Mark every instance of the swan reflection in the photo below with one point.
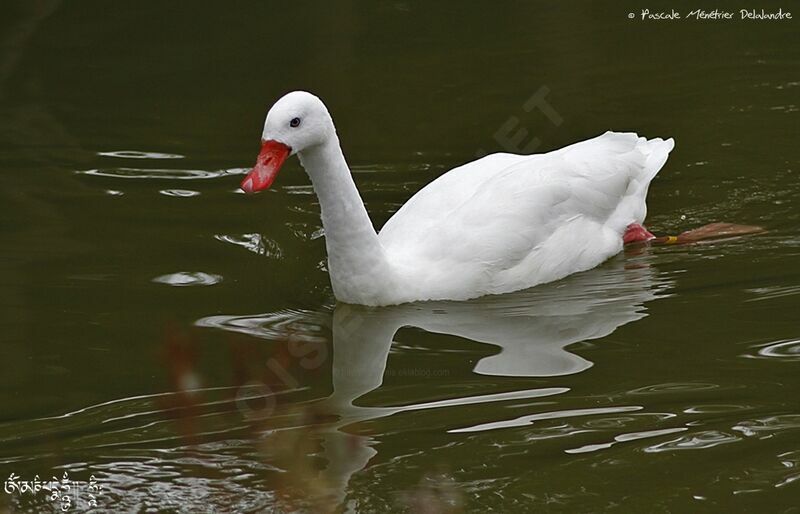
(532, 329)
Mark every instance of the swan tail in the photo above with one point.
(650, 157)
(656, 152)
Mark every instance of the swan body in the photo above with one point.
(501, 223)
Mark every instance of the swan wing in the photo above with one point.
(506, 221)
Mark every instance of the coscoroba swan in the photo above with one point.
(501, 223)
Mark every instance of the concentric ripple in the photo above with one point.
(772, 293)
(137, 154)
(696, 441)
(530, 419)
(255, 243)
(180, 193)
(154, 173)
(768, 425)
(622, 438)
(189, 278)
(786, 349)
(673, 388)
(300, 325)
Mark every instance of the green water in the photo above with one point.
(180, 343)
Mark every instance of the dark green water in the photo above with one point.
(180, 342)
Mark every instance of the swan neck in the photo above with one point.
(356, 259)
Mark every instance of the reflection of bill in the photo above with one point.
(712, 231)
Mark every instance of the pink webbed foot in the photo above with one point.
(636, 233)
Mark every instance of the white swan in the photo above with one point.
(499, 224)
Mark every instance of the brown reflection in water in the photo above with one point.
(301, 439)
(185, 406)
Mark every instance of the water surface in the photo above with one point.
(180, 342)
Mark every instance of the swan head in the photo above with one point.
(297, 122)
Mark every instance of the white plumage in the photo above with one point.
(507, 222)
(495, 225)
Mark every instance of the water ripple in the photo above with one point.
(624, 421)
(306, 231)
(768, 425)
(277, 326)
(136, 154)
(770, 293)
(299, 190)
(632, 436)
(673, 387)
(715, 408)
(789, 460)
(527, 420)
(158, 173)
(141, 484)
(189, 278)
(180, 193)
(255, 243)
(696, 441)
(786, 350)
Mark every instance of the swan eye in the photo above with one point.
(295, 122)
